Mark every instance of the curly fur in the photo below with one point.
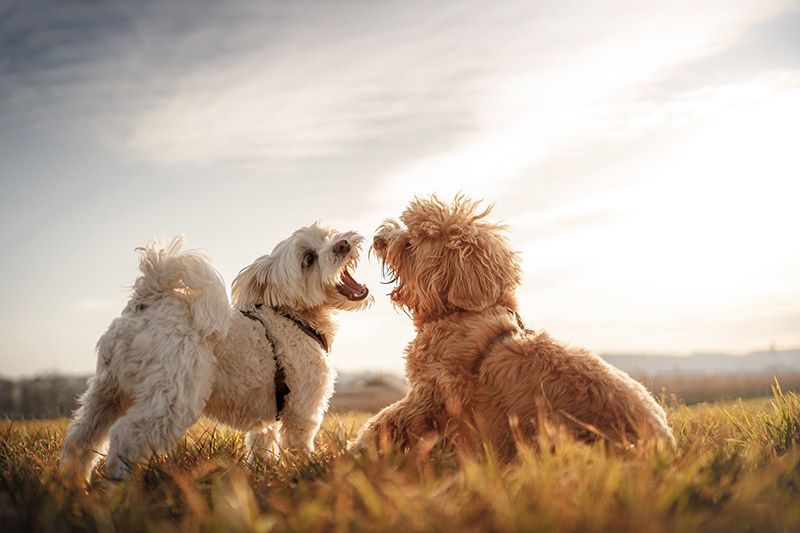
(179, 350)
(474, 371)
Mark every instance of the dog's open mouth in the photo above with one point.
(350, 288)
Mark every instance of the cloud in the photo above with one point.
(571, 95)
(197, 84)
(276, 82)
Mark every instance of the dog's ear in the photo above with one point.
(251, 286)
(481, 272)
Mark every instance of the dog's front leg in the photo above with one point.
(264, 443)
(401, 423)
(299, 430)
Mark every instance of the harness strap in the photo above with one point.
(478, 363)
(308, 330)
(318, 336)
(281, 388)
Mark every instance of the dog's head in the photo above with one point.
(446, 258)
(309, 270)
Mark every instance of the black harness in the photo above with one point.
(281, 388)
(308, 330)
(501, 337)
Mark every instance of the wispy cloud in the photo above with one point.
(309, 79)
(530, 114)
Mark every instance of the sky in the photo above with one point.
(645, 157)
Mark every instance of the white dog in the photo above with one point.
(179, 350)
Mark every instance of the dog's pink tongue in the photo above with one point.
(351, 288)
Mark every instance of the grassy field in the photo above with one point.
(737, 467)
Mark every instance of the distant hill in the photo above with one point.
(692, 378)
(778, 361)
(367, 392)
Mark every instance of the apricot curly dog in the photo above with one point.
(475, 371)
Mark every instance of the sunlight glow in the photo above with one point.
(710, 231)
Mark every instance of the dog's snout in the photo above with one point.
(341, 247)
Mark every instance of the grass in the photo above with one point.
(736, 467)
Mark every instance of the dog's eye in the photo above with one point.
(308, 259)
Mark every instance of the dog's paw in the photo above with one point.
(117, 469)
(355, 446)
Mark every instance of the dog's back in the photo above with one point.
(534, 378)
(155, 361)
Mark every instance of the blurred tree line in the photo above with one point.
(48, 396)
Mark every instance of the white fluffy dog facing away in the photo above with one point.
(179, 350)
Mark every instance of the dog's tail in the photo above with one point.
(167, 270)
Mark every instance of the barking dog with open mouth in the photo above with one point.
(179, 350)
(474, 370)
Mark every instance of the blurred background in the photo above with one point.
(644, 156)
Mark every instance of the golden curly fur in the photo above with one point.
(475, 373)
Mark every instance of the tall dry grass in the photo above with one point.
(736, 467)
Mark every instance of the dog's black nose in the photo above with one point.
(341, 247)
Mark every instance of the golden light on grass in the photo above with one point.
(737, 466)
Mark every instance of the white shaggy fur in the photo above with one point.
(179, 350)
